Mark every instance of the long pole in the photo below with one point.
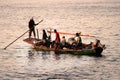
(72, 34)
(19, 37)
(16, 39)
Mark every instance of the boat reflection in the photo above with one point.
(43, 54)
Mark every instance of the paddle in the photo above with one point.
(71, 34)
(20, 36)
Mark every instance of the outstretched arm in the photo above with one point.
(38, 23)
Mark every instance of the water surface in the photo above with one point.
(100, 18)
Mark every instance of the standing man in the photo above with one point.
(32, 27)
(57, 39)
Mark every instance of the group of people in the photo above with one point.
(61, 43)
(72, 43)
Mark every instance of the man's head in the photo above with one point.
(55, 30)
(77, 34)
(31, 18)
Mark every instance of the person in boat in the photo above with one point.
(44, 37)
(32, 27)
(78, 41)
(97, 43)
(63, 42)
(57, 40)
(71, 43)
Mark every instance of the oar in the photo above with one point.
(19, 37)
(71, 34)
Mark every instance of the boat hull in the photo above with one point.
(96, 52)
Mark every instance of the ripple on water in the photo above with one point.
(20, 62)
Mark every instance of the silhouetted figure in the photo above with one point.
(32, 27)
(44, 37)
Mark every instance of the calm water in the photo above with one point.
(100, 18)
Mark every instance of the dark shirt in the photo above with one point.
(44, 35)
(31, 24)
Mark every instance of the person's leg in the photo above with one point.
(30, 32)
(34, 33)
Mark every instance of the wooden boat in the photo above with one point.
(96, 51)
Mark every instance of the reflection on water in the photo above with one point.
(43, 54)
(30, 64)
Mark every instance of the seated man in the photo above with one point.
(97, 43)
(78, 41)
(63, 42)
